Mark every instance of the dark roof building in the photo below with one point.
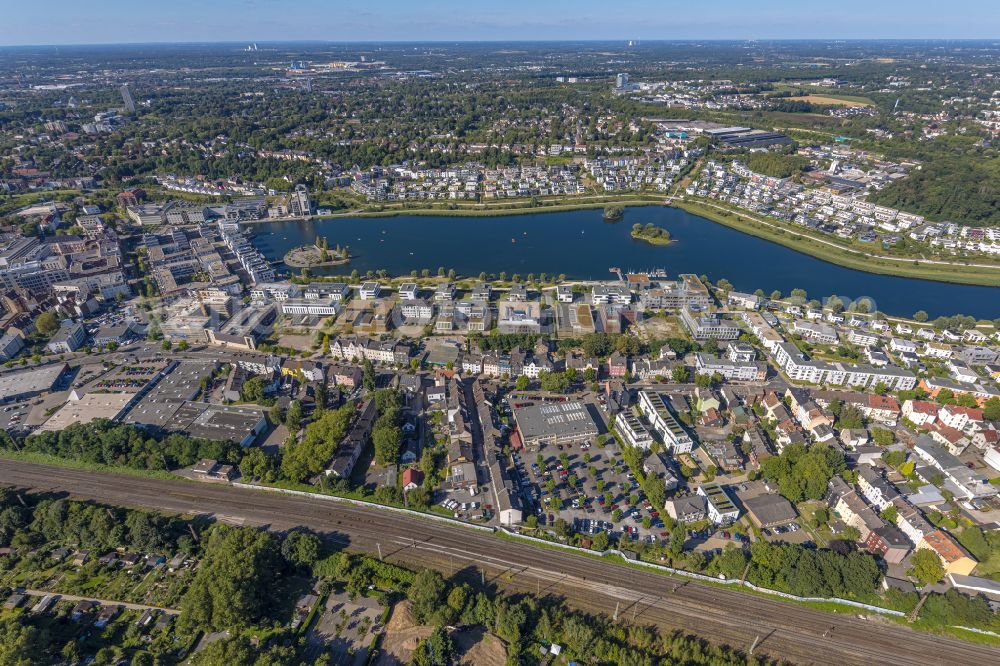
(769, 510)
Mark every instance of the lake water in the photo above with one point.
(581, 245)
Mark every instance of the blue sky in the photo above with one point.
(115, 21)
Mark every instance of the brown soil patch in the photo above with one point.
(476, 648)
(402, 635)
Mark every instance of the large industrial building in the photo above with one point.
(28, 383)
(555, 423)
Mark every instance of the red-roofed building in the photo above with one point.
(951, 438)
(131, 197)
(986, 439)
(920, 412)
(954, 558)
(412, 478)
(882, 408)
(960, 418)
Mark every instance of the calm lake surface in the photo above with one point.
(581, 245)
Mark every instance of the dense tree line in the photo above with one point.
(304, 459)
(237, 581)
(963, 189)
(777, 165)
(106, 443)
(522, 622)
(804, 571)
(386, 434)
(25, 522)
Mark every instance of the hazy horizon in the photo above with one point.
(117, 22)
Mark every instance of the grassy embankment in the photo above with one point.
(494, 210)
(810, 244)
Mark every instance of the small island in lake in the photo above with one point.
(614, 213)
(651, 233)
(319, 254)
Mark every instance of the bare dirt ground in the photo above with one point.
(402, 635)
(475, 648)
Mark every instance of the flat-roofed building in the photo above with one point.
(408, 291)
(556, 423)
(655, 410)
(90, 407)
(27, 383)
(632, 430)
(703, 325)
(369, 291)
(721, 509)
(769, 510)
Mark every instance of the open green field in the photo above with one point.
(817, 91)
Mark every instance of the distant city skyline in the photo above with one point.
(58, 22)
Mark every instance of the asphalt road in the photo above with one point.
(782, 630)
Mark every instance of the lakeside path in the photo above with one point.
(977, 274)
(872, 255)
(780, 629)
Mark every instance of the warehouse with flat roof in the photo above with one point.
(28, 383)
(556, 423)
(769, 510)
(90, 407)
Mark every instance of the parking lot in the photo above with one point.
(13, 416)
(589, 484)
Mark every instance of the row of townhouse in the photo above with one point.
(845, 215)
(467, 182)
(800, 367)
(390, 352)
(663, 422)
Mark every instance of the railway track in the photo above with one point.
(724, 616)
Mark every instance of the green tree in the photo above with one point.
(925, 566)
(303, 459)
(257, 464)
(18, 643)
(368, 375)
(300, 548)
(388, 440)
(47, 324)
(438, 649)
(521, 383)
(426, 593)
(293, 417)
(235, 582)
(679, 374)
(252, 390)
(555, 382)
(678, 535)
(991, 409)
(803, 473)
